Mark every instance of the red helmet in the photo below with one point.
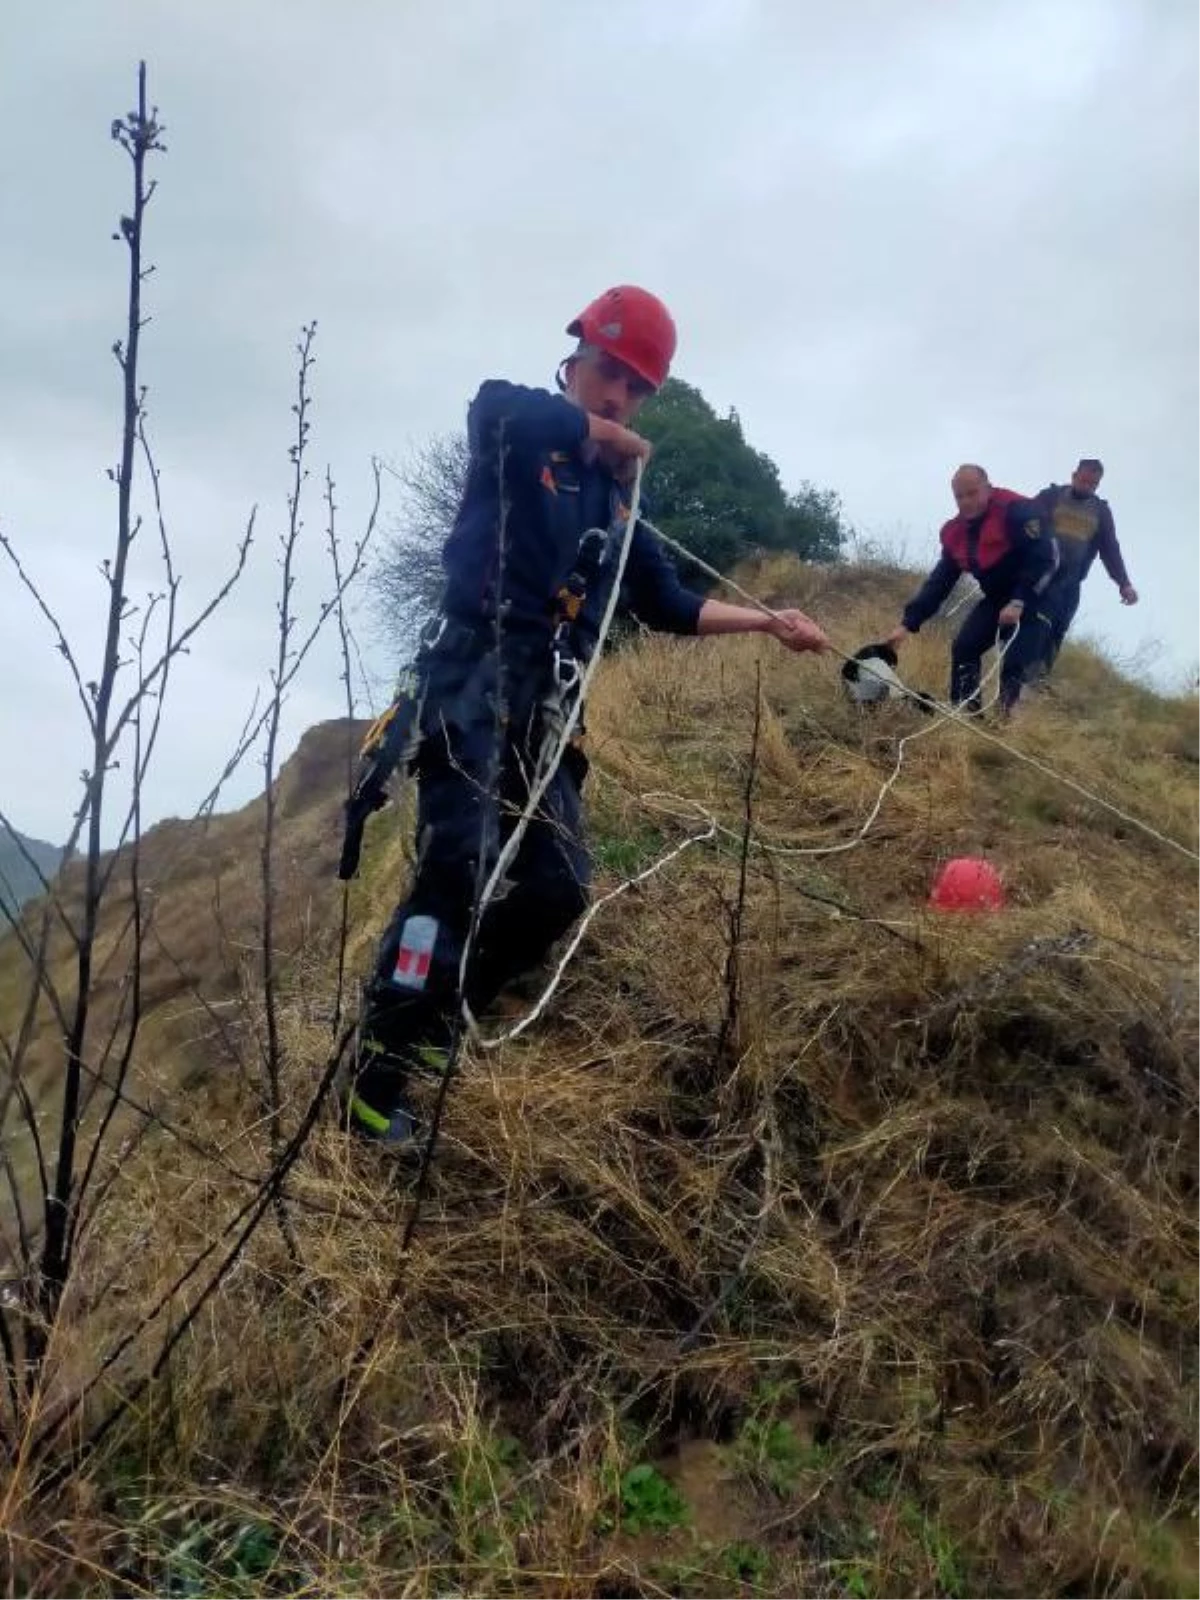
(634, 326)
(967, 883)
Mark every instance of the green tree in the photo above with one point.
(722, 498)
(706, 487)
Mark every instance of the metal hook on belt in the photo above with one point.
(567, 672)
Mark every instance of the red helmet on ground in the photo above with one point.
(967, 883)
(634, 326)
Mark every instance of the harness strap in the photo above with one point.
(566, 668)
(391, 741)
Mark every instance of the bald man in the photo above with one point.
(999, 538)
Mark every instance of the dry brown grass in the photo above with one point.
(893, 1279)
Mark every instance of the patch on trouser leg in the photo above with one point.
(415, 955)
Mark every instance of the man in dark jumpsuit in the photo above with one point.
(1083, 528)
(998, 537)
(544, 470)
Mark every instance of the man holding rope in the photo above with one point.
(531, 563)
(999, 538)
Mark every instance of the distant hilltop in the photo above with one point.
(24, 863)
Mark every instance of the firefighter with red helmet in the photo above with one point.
(530, 564)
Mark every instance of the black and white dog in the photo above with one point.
(870, 679)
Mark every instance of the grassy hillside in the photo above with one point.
(811, 1243)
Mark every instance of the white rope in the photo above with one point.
(971, 591)
(547, 994)
(947, 712)
(857, 839)
(1003, 646)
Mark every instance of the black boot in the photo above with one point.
(398, 1039)
(375, 1105)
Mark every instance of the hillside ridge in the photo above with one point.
(812, 1241)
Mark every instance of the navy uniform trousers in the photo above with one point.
(976, 637)
(1061, 602)
(473, 782)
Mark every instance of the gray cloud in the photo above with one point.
(894, 236)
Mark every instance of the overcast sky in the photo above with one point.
(894, 235)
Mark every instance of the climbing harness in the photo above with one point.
(392, 739)
(566, 654)
(390, 743)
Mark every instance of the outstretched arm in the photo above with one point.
(792, 628)
(658, 598)
(927, 599)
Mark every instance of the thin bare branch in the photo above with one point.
(61, 643)
(139, 135)
(257, 721)
(243, 744)
(131, 995)
(727, 1036)
(344, 642)
(272, 1049)
(31, 861)
(179, 644)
